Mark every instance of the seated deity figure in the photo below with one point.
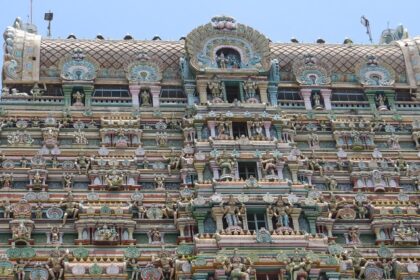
(21, 232)
(114, 180)
(107, 234)
(145, 98)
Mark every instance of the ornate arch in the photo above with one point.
(143, 71)
(203, 43)
(309, 71)
(374, 74)
(78, 67)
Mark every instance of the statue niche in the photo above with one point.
(228, 58)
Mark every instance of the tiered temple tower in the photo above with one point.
(219, 156)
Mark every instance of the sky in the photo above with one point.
(279, 20)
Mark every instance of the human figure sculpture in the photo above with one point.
(216, 88)
(55, 264)
(387, 269)
(145, 98)
(107, 234)
(250, 88)
(37, 181)
(317, 100)
(173, 162)
(269, 164)
(82, 164)
(299, 269)
(353, 235)
(36, 91)
(313, 140)
(21, 232)
(361, 210)
(19, 269)
(71, 207)
(226, 164)
(231, 213)
(68, 181)
(237, 268)
(114, 180)
(160, 182)
(331, 183)
(7, 180)
(135, 269)
(78, 96)
(7, 209)
(155, 236)
(165, 263)
(55, 234)
(221, 61)
(281, 213)
(38, 211)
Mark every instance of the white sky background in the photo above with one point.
(279, 20)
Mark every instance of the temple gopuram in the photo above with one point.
(221, 156)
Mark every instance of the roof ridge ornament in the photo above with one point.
(223, 22)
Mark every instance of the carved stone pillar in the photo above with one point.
(267, 125)
(200, 216)
(215, 170)
(306, 95)
(134, 91)
(190, 90)
(272, 92)
(217, 214)
(130, 233)
(326, 95)
(294, 166)
(262, 86)
(269, 222)
(295, 218)
(212, 127)
(202, 91)
(155, 91)
(199, 168)
(280, 166)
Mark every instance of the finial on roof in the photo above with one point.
(347, 41)
(100, 37)
(294, 40)
(128, 37)
(320, 41)
(156, 38)
(71, 36)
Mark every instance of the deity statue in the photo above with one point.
(269, 164)
(353, 235)
(160, 182)
(21, 232)
(37, 181)
(23, 162)
(55, 234)
(114, 180)
(173, 162)
(141, 210)
(55, 264)
(7, 209)
(222, 130)
(387, 268)
(82, 163)
(317, 101)
(36, 91)
(393, 142)
(257, 129)
(165, 263)
(380, 102)
(217, 89)
(135, 268)
(238, 268)
(38, 211)
(68, 181)
(155, 236)
(80, 137)
(231, 213)
(107, 234)
(281, 212)
(71, 207)
(299, 268)
(361, 209)
(6, 180)
(250, 88)
(221, 61)
(226, 164)
(78, 97)
(313, 141)
(145, 97)
(331, 183)
(316, 165)
(19, 269)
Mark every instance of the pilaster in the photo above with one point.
(134, 91)
(326, 95)
(306, 95)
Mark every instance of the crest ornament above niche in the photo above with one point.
(309, 71)
(225, 45)
(143, 71)
(374, 74)
(78, 67)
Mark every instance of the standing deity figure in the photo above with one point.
(21, 232)
(145, 97)
(281, 213)
(393, 142)
(331, 183)
(317, 100)
(82, 163)
(7, 180)
(299, 268)
(68, 181)
(313, 141)
(231, 213)
(71, 207)
(114, 180)
(221, 61)
(36, 91)
(135, 269)
(19, 269)
(78, 98)
(237, 267)
(165, 263)
(55, 264)
(7, 209)
(38, 210)
(353, 235)
(107, 234)
(250, 88)
(55, 234)
(269, 164)
(216, 88)
(173, 162)
(155, 236)
(160, 182)
(227, 164)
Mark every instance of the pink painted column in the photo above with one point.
(155, 91)
(306, 94)
(134, 91)
(326, 95)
